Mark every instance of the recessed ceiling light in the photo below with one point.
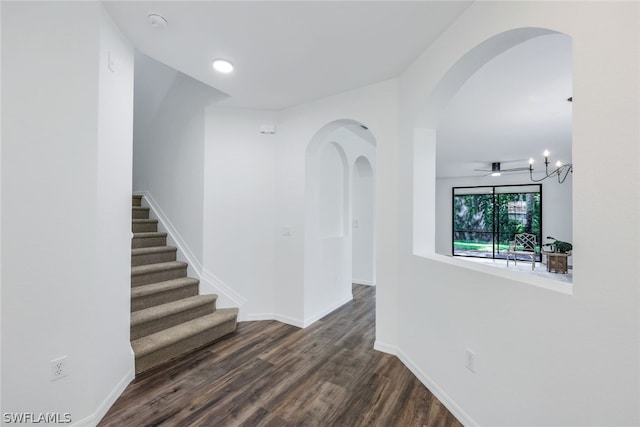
(157, 21)
(222, 65)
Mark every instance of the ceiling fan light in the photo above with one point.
(496, 174)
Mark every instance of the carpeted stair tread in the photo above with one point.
(159, 272)
(149, 234)
(152, 250)
(144, 225)
(155, 342)
(139, 212)
(155, 268)
(162, 317)
(153, 255)
(168, 317)
(169, 309)
(158, 293)
(148, 239)
(160, 287)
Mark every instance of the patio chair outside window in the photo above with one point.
(523, 245)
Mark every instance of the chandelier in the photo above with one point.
(561, 171)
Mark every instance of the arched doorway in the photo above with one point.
(363, 253)
(331, 158)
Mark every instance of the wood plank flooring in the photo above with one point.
(272, 374)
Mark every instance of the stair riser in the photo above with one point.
(147, 259)
(144, 227)
(162, 298)
(185, 346)
(148, 242)
(136, 201)
(165, 322)
(160, 276)
(140, 213)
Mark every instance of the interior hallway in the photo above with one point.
(272, 374)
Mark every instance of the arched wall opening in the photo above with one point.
(363, 253)
(429, 225)
(331, 158)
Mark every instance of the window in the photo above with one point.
(486, 218)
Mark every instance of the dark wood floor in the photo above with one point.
(272, 374)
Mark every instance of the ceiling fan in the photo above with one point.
(496, 170)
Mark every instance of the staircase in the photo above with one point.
(168, 317)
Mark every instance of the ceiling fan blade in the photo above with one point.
(515, 169)
(495, 168)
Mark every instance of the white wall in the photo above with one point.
(255, 198)
(332, 191)
(374, 106)
(112, 295)
(1, 207)
(239, 206)
(540, 354)
(556, 206)
(331, 156)
(65, 276)
(363, 222)
(168, 147)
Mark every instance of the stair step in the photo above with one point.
(146, 296)
(144, 225)
(154, 319)
(148, 239)
(152, 255)
(136, 200)
(168, 344)
(138, 212)
(160, 272)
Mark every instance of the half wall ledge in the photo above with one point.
(540, 282)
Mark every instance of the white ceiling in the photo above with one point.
(510, 110)
(288, 52)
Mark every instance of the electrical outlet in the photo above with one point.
(59, 368)
(470, 360)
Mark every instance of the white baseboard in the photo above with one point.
(288, 320)
(275, 316)
(431, 385)
(254, 317)
(297, 322)
(442, 396)
(319, 315)
(115, 393)
(216, 285)
(209, 283)
(363, 282)
(385, 348)
(93, 419)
